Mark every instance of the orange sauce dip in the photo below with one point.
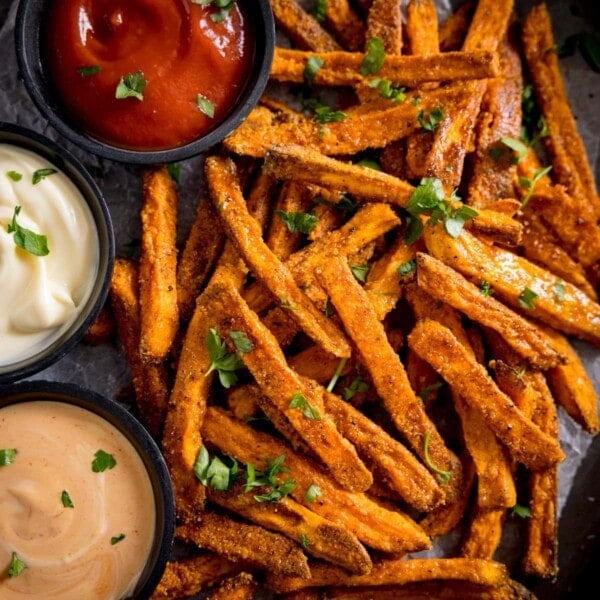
(175, 46)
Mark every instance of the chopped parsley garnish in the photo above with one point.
(313, 493)
(224, 7)
(559, 291)
(17, 566)
(313, 64)
(285, 303)
(7, 456)
(103, 461)
(518, 510)
(518, 146)
(387, 90)
(369, 163)
(345, 205)
(34, 243)
(360, 272)
(222, 361)
(408, 267)
(117, 538)
(323, 113)
(304, 541)
(174, 170)
(357, 385)
(374, 57)
(269, 477)
(443, 475)
(429, 198)
(205, 106)
(41, 174)
(298, 222)
(428, 390)
(66, 499)
(301, 403)
(14, 175)
(431, 122)
(338, 372)
(533, 124)
(527, 299)
(486, 288)
(215, 473)
(241, 342)
(131, 85)
(529, 184)
(320, 10)
(89, 70)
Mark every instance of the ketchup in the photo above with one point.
(175, 46)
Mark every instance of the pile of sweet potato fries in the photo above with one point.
(362, 345)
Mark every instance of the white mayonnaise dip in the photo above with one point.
(41, 295)
(96, 548)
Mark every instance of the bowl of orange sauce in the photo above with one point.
(145, 81)
(87, 503)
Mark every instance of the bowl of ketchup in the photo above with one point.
(145, 81)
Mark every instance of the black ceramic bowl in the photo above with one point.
(29, 33)
(143, 443)
(58, 344)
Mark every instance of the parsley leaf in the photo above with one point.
(269, 478)
(518, 510)
(34, 243)
(174, 170)
(430, 123)
(41, 174)
(304, 541)
(7, 456)
(527, 299)
(89, 70)
(14, 175)
(530, 184)
(131, 85)
(374, 57)
(66, 499)
(486, 288)
(298, 222)
(222, 361)
(559, 291)
(241, 342)
(215, 473)
(320, 10)
(103, 461)
(301, 403)
(117, 538)
(443, 475)
(325, 114)
(17, 566)
(428, 390)
(205, 106)
(313, 64)
(224, 7)
(408, 267)
(312, 493)
(357, 385)
(387, 90)
(517, 146)
(360, 272)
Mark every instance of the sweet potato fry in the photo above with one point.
(454, 29)
(525, 441)
(384, 21)
(511, 275)
(442, 282)
(322, 538)
(302, 28)
(314, 363)
(386, 370)
(399, 572)
(373, 524)
(488, 25)
(191, 575)
(150, 380)
(484, 533)
(422, 27)
(238, 587)
(159, 316)
(248, 543)
(345, 24)
(102, 330)
(244, 231)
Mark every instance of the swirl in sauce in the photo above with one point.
(68, 551)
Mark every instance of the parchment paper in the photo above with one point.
(104, 370)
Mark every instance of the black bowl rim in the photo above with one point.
(33, 141)
(27, 35)
(144, 444)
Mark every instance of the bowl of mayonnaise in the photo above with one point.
(56, 252)
(87, 502)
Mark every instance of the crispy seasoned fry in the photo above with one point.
(384, 21)
(525, 441)
(570, 163)
(454, 29)
(238, 587)
(345, 24)
(388, 374)
(572, 387)
(488, 25)
(201, 251)
(281, 385)
(370, 522)
(303, 29)
(322, 538)
(400, 571)
(447, 285)
(245, 233)
(102, 330)
(422, 27)
(314, 363)
(484, 533)
(159, 316)
(343, 68)
(150, 381)
(251, 544)
(510, 275)
(395, 465)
